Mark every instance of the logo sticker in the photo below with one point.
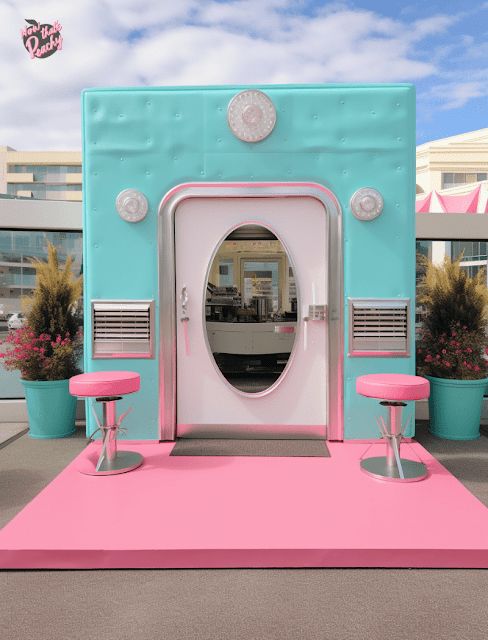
(42, 40)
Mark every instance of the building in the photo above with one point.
(453, 165)
(452, 177)
(44, 175)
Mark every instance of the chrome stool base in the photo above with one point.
(393, 467)
(124, 461)
(111, 461)
(380, 469)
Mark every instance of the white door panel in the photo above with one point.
(205, 400)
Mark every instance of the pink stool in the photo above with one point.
(108, 387)
(393, 389)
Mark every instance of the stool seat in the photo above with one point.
(104, 383)
(393, 386)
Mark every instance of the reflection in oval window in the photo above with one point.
(251, 308)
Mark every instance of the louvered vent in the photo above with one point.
(123, 329)
(379, 327)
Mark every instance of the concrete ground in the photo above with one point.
(308, 604)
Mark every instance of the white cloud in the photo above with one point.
(456, 94)
(190, 42)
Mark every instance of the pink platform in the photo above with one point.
(248, 512)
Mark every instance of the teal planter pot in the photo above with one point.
(50, 408)
(455, 407)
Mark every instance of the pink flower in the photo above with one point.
(446, 363)
(444, 351)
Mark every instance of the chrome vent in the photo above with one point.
(379, 327)
(122, 329)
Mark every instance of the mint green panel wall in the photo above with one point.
(344, 137)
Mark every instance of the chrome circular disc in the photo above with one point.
(366, 204)
(131, 205)
(251, 115)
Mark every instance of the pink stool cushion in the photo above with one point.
(393, 386)
(104, 383)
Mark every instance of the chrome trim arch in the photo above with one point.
(167, 293)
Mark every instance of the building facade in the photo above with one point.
(456, 166)
(44, 175)
(453, 165)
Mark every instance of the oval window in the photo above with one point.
(251, 309)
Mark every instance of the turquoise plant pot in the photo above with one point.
(455, 407)
(50, 407)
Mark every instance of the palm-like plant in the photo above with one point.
(453, 340)
(52, 306)
(450, 294)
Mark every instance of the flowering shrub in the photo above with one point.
(41, 357)
(453, 340)
(457, 354)
(50, 345)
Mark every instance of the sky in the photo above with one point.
(440, 46)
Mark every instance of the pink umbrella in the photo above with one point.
(466, 203)
(423, 205)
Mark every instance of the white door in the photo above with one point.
(295, 404)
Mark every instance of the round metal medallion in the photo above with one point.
(131, 205)
(251, 115)
(366, 204)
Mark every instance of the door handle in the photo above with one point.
(316, 312)
(184, 304)
(184, 318)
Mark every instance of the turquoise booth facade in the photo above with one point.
(343, 137)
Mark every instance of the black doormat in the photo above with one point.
(256, 448)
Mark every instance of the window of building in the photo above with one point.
(262, 279)
(41, 190)
(450, 180)
(473, 269)
(44, 168)
(47, 174)
(226, 272)
(471, 250)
